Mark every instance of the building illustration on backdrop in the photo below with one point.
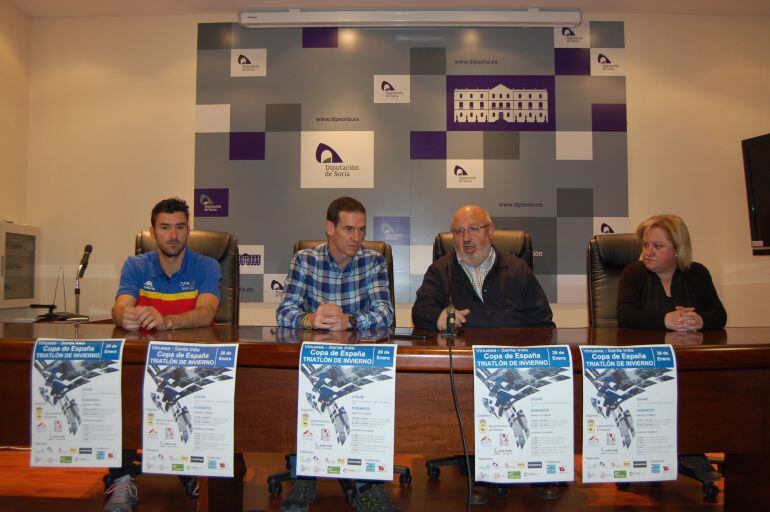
(500, 104)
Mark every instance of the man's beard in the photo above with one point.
(171, 254)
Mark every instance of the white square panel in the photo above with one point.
(571, 288)
(574, 146)
(420, 258)
(212, 119)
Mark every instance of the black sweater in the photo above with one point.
(643, 304)
(512, 295)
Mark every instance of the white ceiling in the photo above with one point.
(100, 8)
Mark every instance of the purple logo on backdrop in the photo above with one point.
(392, 230)
(606, 228)
(603, 59)
(275, 285)
(566, 31)
(386, 86)
(242, 59)
(459, 171)
(324, 154)
(211, 202)
(500, 103)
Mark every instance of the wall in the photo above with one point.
(15, 34)
(112, 130)
(697, 87)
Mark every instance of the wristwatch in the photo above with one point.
(353, 321)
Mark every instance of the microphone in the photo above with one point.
(84, 260)
(450, 321)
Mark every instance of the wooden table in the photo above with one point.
(724, 390)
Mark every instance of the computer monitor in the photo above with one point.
(19, 249)
(756, 164)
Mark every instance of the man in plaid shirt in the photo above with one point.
(338, 285)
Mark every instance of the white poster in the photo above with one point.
(345, 411)
(337, 159)
(523, 414)
(391, 88)
(572, 37)
(465, 174)
(248, 62)
(629, 413)
(187, 420)
(251, 259)
(272, 288)
(76, 403)
(608, 61)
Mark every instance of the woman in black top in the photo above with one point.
(665, 289)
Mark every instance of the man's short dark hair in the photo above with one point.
(170, 205)
(343, 204)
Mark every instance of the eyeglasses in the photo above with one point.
(472, 230)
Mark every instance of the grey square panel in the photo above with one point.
(543, 233)
(573, 236)
(607, 34)
(501, 145)
(283, 117)
(465, 145)
(575, 202)
(427, 111)
(251, 288)
(427, 61)
(215, 36)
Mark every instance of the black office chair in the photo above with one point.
(607, 256)
(404, 473)
(510, 241)
(221, 246)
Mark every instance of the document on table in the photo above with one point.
(345, 411)
(629, 413)
(76, 403)
(523, 414)
(188, 408)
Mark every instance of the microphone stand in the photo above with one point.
(77, 317)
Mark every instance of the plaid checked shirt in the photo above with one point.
(360, 289)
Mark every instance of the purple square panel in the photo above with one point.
(608, 117)
(247, 145)
(572, 61)
(212, 202)
(319, 37)
(427, 145)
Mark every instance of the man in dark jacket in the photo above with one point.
(486, 287)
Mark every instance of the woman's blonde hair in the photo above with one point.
(677, 233)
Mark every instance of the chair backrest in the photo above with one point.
(373, 245)
(221, 246)
(510, 241)
(607, 256)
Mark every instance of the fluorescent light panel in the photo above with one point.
(508, 18)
